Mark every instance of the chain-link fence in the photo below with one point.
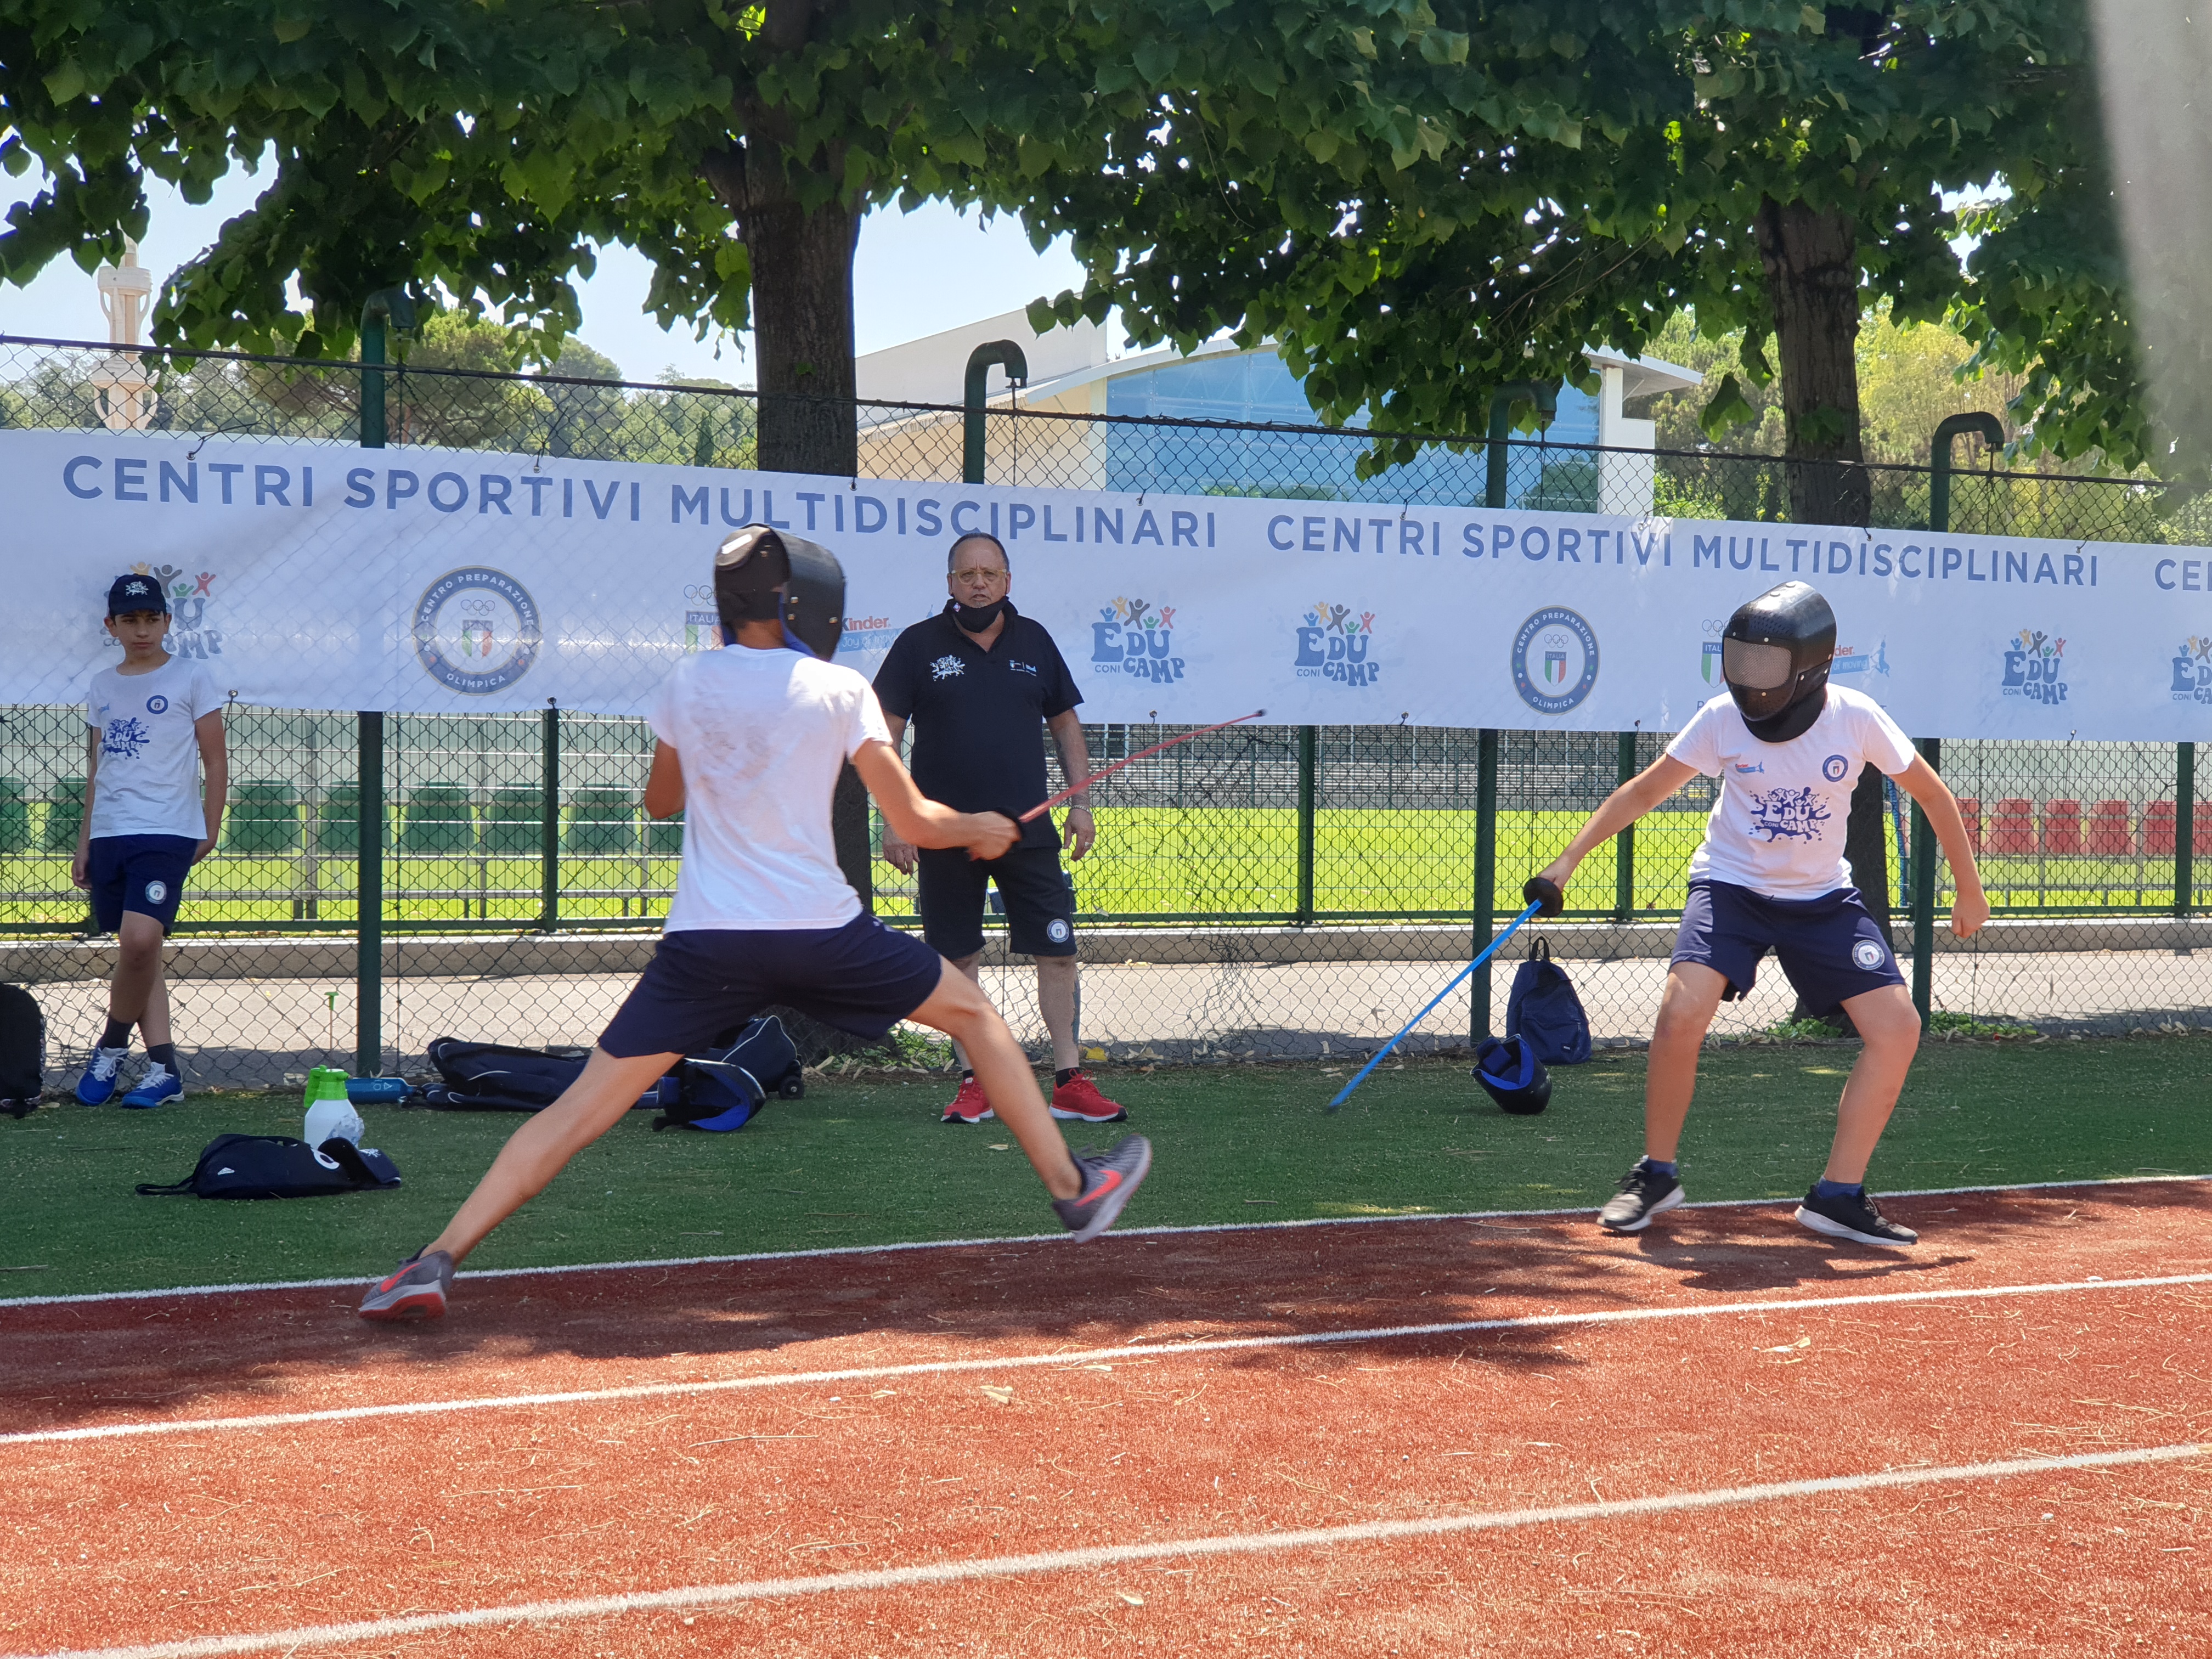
(1257, 892)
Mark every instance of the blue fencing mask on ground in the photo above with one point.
(763, 575)
(1775, 653)
(1511, 1075)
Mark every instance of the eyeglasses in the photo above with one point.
(980, 574)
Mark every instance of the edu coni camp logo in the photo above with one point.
(1335, 645)
(2034, 667)
(192, 611)
(1788, 815)
(477, 630)
(2192, 670)
(1137, 638)
(1554, 659)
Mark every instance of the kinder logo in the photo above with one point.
(2034, 668)
(1859, 666)
(1137, 638)
(1335, 645)
(2192, 670)
(865, 634)
(1554, 661)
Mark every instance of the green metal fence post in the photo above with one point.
(1950, 429)
(980, 360)
(1624, 844)
(1485, 881)
(1308, 744)
(368, 887)
(1923, 891)
(2184, 828)
(1498, 483)
(549, 907)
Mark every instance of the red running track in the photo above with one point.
(1674, 1377)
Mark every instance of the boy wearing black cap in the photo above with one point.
(1788, 748)
(153, 717)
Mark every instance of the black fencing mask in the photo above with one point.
(763, 575)
(1775, 652)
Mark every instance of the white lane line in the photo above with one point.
(1009, 1566)
(1070, 1358)
(834, 1250)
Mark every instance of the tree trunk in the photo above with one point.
(1811, 259)
(1812, 265)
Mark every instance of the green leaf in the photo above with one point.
(65, 81)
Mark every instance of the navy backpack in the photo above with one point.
(724, 1087)
(1543, 1011)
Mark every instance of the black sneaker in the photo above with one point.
(1853, 1216)
(1644, 1193)
(416, 1289)
(1110, 1179)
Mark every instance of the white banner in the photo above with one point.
(456, 581)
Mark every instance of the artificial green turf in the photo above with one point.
(867, 1162)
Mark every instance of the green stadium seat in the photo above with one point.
(514, 822)
(602, 821)
(440, 819)
(263, 816)
(337, 820)
(14, 817)
(64, 816)
(664, 837)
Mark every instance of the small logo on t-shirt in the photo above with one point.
(946, 667)
(1867, 953)
(1029, 668)
(1833, 769)
(126, 738)
(1751, 766)
(1788, 814)
(157, 704)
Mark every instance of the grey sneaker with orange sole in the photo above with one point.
(1110, 1179)
(416, 1289)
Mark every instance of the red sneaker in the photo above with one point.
(969, 1105)
(1079, 1098)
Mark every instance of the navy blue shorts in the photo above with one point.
(861, 978)
(1830, 948)
(1039, 901)
(145, 873)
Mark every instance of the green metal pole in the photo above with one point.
(1923, 891)
(1949, 430)
(1624, 844)
(1498, 485)
(368, 950)
(2184, 828)
(549, 908)
(1485, 880)
(1308, 744)
(980, 360)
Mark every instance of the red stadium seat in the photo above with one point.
(2012, 829)
(2062, 826)
(2158, 827)
(1970, 811)
(2107, 834)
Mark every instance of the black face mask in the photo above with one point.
(978, 618)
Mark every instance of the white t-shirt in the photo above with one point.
(1778, 825)
(146, 782)
(761, 735)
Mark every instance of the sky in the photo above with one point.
(915, 274)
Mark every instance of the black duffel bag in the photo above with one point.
(278, 1166)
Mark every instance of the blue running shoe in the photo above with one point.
(97, 1086)
(160, 1085)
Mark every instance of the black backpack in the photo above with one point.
(1543, 1011)
(22, 1051)
(724, 1087)
(278, 1166)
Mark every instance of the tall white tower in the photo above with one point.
(126, 396)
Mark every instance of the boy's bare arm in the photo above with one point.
(1620, 809)
(1970, 909)
(664, 784)
(925, 823)
(215, 760)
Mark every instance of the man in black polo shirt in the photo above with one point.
(976, 678)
